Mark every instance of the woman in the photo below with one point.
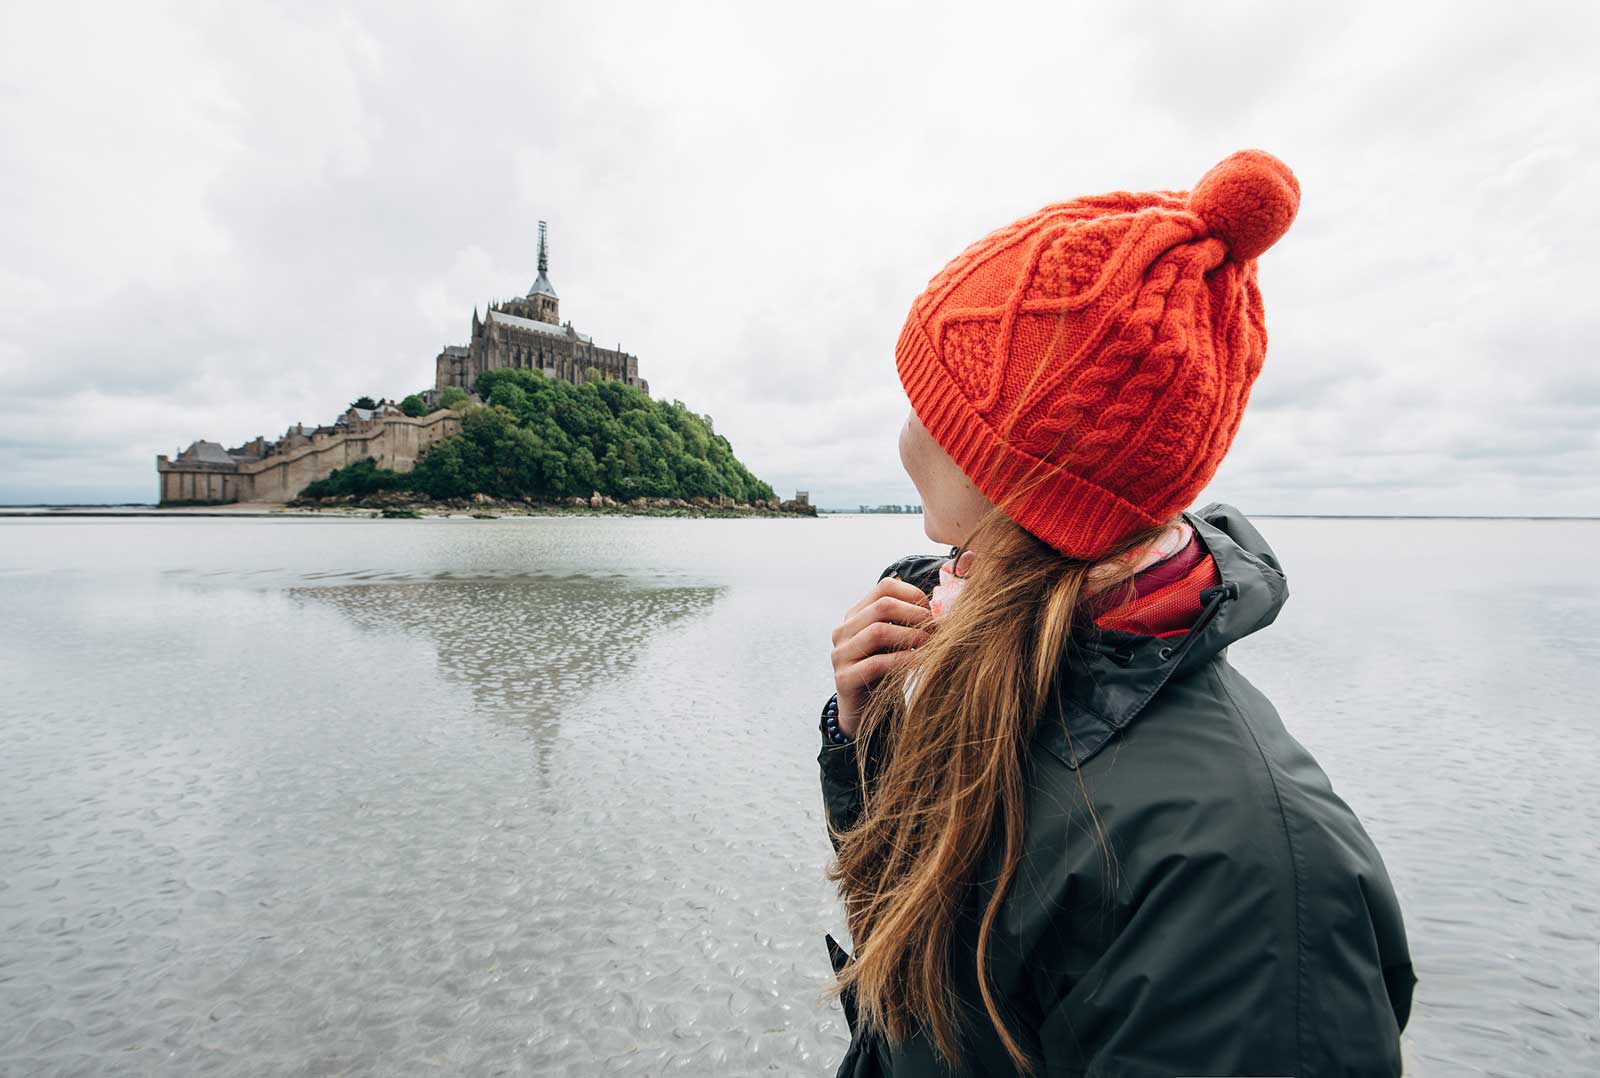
(1071, 838)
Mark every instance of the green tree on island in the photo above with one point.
(360, 479)
(414, 406)
(364, 402)
(543, 438)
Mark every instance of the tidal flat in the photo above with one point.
(315, 794)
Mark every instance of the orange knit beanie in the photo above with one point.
(1093, 359)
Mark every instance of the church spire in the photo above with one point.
(542, 296)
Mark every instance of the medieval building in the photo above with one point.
(527, 333)
(277, 471)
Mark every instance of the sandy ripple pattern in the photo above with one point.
(539, 798)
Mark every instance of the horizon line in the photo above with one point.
(1317, 516)
(857, 511)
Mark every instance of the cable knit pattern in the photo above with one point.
(1108, 342)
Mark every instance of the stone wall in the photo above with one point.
(198, 483)
(395, 442)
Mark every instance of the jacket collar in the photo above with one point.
(1106, 680)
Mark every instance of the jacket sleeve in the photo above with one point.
(841, 783)
(841, 765)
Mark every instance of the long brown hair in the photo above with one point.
(951, 727)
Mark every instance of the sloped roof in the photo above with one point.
(543, 287)
(205, 452)
(519, 322)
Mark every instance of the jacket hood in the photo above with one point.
(1106, 680)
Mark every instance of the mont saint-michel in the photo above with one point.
(529, 409)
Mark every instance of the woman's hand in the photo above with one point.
(877, 634)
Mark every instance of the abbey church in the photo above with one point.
(527, 333)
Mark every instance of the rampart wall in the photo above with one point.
(395, 442)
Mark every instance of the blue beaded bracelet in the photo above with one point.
(830, 716)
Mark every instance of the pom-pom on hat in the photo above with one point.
(1247, 201)
(1088, 365)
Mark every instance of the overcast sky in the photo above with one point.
(219, 219)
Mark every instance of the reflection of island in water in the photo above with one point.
(528, 648)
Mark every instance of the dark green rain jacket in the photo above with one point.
(1249, 927)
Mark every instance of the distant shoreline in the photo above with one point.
(135, 509)
(410, 510)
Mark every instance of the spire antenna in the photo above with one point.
(544, 251)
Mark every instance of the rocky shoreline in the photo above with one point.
(409, 505)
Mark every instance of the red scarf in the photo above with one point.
(1162, 598)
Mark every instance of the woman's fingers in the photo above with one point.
(858, 678)
(889, 586)
(876, 634)
(891, 608)
(871, 670)
(875, 637)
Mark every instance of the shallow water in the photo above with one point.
(539, 796)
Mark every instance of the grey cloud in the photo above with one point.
(223, 220)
